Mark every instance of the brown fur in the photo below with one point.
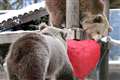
(96, 26)
(37, 56)
(57, 9)
(89, 10)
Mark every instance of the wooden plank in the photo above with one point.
(9, 37)
(72, 14)
(114, 4)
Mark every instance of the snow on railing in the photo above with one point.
(16, 13)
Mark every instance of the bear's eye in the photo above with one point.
(98, 32)
(98, 19)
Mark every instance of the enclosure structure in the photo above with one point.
(72, 20)
(16, 19)
(27, 18)
(24, 19)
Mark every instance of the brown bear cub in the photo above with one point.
(37, 55)
(92, 16)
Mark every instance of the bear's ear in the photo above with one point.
(98, 19)
(42, 26)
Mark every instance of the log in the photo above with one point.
(11, 36)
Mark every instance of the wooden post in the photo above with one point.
(72, 17)
(72, 13)
(103, 70)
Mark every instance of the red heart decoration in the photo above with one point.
(84, 56)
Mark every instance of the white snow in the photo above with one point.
(27, 9)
